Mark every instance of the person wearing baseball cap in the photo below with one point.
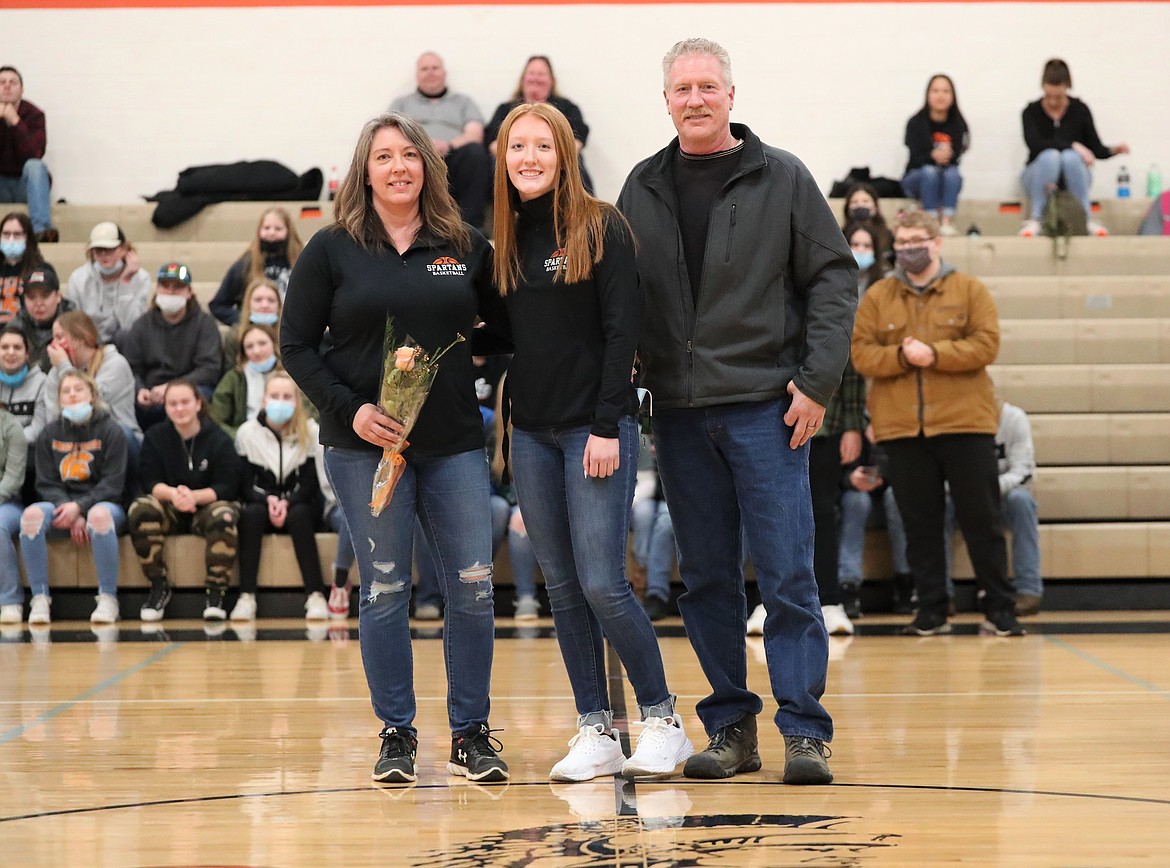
(42, 305)
(174, 338)
(111, 288)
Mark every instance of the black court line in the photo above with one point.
(231, 633)
(495, 792)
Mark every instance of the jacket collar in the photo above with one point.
(657, 172)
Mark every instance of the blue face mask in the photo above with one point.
(12, 248)
(263, 367)
(14, 381)
(278, 412)
(78, 413)
(268, 319)
(864, 260)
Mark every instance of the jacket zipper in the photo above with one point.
(730, 235)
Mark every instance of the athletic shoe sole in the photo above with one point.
(708, 770)
(630, 770)
(614, 768)
(493, 775)
(394, 776)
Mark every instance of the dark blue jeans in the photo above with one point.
(578, 527)
(723, 467)
(449, 496)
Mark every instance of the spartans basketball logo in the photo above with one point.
(556, 260)
(713, 840)
(447, 266)
(75, 463)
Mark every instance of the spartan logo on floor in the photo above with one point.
(556, 260)
(715, 840)
(447, 265)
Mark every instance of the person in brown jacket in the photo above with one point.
(925, 336)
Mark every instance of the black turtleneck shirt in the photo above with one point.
(574, 342)
(698, 178)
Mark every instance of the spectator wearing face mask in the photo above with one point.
(240, 393)
(272, 254)
(42, 305)
(862, 205)
(262, 306)
(174, 338)
(111, 288)
(19, 256)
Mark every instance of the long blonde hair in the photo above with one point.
(298, 425)
(255, 255)
(78, 325)
(354, 211)
(578, 218)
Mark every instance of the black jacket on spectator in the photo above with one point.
(212, 462)
(85, 463)
(159, 351)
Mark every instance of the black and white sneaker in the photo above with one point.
(927, 623)
(1003, 623)
(213, 608)
(156, 600)
(396, 760)
(474, 755)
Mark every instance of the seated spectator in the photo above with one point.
(282, 493)
(538, 84)
(865, 488)
(654, 547)
(1017, 467)
(871, 262)
(173, 339)
(23, 174)
(76, 345)
(19, 256)
(13, 459)
(1062, 146)
(240, 393)
(21, 384)
(263, 303)
(192, 477)
(81, 469)
(863, 206)
(42, 305)
(111, 288)
(455, 125)
(272, 254)
(340, 591)
(937, 138)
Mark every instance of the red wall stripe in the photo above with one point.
(239, 4)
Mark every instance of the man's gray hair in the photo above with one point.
(696, 45)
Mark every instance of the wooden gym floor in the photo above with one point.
(180, 748)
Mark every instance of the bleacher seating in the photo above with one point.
(1085, 350)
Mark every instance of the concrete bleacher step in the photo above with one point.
(208, 260)
(1081, 297)
(992, 257)
(1084, 550)
(1101, 438)
(1084, 341)
(1085, 388)
(1102, 493)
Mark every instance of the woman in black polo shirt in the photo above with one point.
(399, 248)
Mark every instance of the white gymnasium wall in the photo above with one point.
(135, 95)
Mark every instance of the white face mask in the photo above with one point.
(170, 303)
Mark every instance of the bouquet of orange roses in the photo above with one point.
(407, 376)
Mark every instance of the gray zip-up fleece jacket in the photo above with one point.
(778, 291)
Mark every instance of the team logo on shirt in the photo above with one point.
(556, 260)
(75, 465)
(447, 265)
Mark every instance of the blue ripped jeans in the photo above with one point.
(449, 497)
(34, 548)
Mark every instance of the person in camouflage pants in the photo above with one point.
(151, 521)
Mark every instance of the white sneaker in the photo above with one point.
(836, 621)
(11, 613)
(1030, 229)
(755, 624)
(245, 608)
(947, 228)
(316, 609)
(106, 610)
(592, 752)
(38, 612)
(661, 746)
(339, 602)
(527, 609)
(1097, 229)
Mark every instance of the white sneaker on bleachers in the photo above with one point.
(106, 610)
(245, 608)
(316, 609)
(755, 624)
(1030, 229)
(1097, 229)
(38, 612)
(11, 613)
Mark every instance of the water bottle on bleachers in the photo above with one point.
(1154, 181)
(1123, 183)
(334, 183)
